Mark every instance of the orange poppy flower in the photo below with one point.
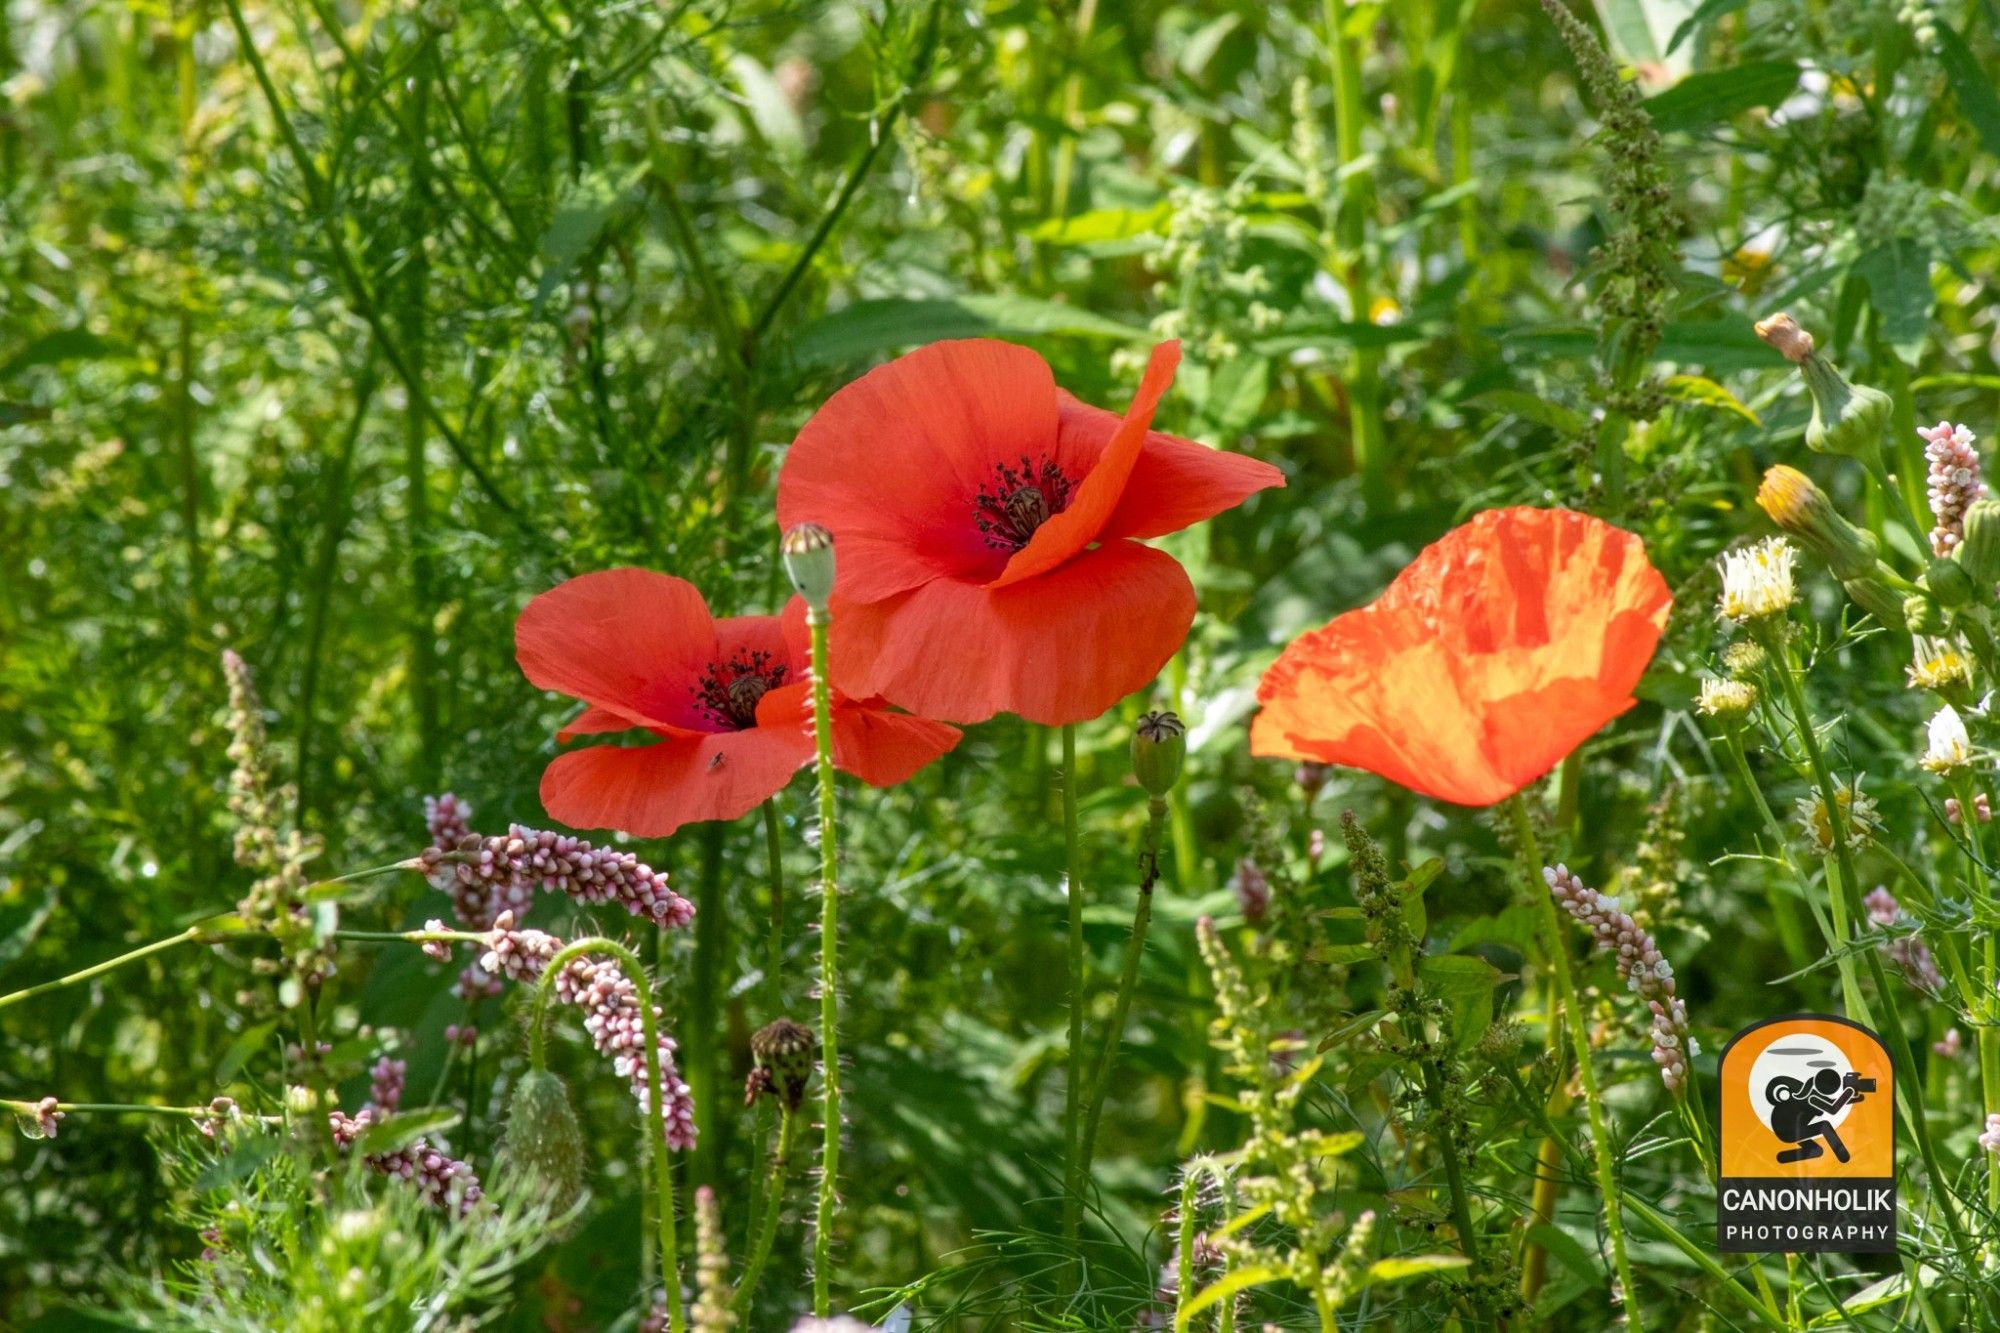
(1504, 646)
(989, 527)
(729, 700)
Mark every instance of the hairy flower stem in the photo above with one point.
(1600, 1143)
(774, 853)
(656, 1099)
(1135, 948)
(1846, 902)
(767, 1222)
(1073, 1089)
(829, 969)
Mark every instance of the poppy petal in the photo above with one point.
(879, 747)
(594, 721)
(893, 464)
(628, 640)
(650, 791)
(1097, 495)
(1176, 483)
(1501, 648)
(1060, 648)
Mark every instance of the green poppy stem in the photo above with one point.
(1128, 979)
(774, 851)
(1073, 1089)
(774, 1203)
(829, 967)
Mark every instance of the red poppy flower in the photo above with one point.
(730, 702)
(1503, 647)
(988, 527)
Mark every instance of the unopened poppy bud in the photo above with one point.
(784, 1053)
(1949, 583)
(542, 1152)
(1979, 552)
(808, 553)
(1878, 599)
(1921, 615)
(1848, 419)
(1159, 744)
(1802, 509)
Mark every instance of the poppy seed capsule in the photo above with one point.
(1979, 552)
(1848, 419)
(808, 553)
(784, 1053)
(1159, 744)
(542, 1153)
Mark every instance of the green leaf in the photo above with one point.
(245, 1157)
(1423, 874)
(870, 328)
(770, 110)
(63, 345)
(1972, 85)
(1566, 1249)
(1898, 274)
(1531, 407)
(1464, 982)
(1103, 224)
(1716, 95)
(403, 1129)
(1241, 1279)
(1704, 392)
(1341, 955)
(1414, 1265)
(1710, 11)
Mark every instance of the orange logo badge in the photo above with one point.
(1808, 1139)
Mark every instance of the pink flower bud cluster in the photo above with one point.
(1950, 1046)
(1639, 961)
(611, 1015)
(1990, 1140)
(385, 1090)
(221, 1111)
(47, 1118)
(1982, 810)
(440, 1179)
(1954, 482)
(1910, 954)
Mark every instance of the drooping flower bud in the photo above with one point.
(1979, 551)
(1848, 419)
(1159, 745)
(542, 1153)
(1880, 600)
(1949, 583)
(1921, 615)
(808, 554)
(783, 1051)
(1802, 509)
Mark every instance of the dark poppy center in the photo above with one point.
(729, 691)
(1019, 500)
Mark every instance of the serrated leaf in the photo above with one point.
(1716, 95)
(1898, 274)
(1465, 983)
(1414, 1265)
(1705, 392)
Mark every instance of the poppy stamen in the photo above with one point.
(1020, 500)
(730, 691)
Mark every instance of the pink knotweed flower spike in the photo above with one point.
(1954, 482)
(1640, 963)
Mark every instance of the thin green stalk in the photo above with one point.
(131, 1108)
(701, 1033)
(774, 852)
(829, 966)
(656, 1102)
(774, 1203)
(1135, 948)
(192, 933)
(1787, 924)
(1848, 902)
(1364, 388)
(1600, 1142)
(1073, 1089)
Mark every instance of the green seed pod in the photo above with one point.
(808, 554)
(784, 1053)
(542, 1153)
(1878, 599)
(1949, 583)
(1159, 745)
(1921, 615)
(1979, 552)
(1848, 419)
